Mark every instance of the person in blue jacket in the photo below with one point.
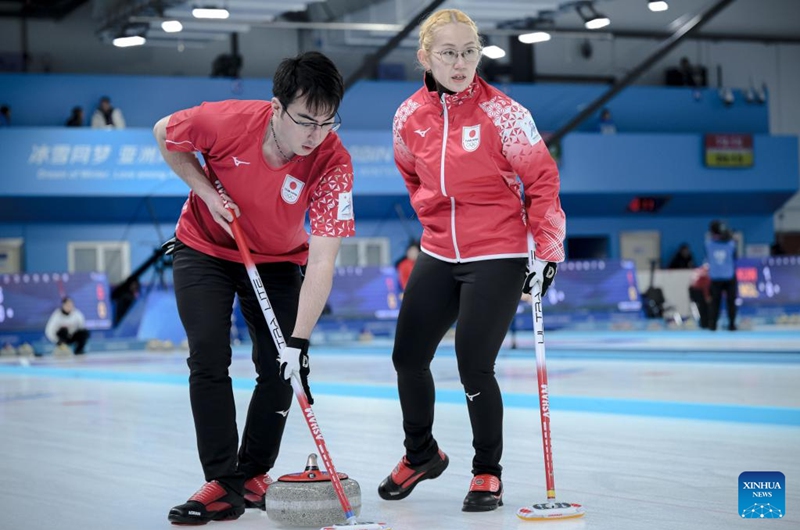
(721, 257)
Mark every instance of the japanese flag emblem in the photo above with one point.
(290, 191)
(471, 137)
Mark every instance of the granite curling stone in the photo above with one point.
(308, 498)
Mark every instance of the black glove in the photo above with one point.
(295, 359)
(543, 273)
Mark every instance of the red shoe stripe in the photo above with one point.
(410, 480)
(488, 483)
(257, 485)
(210, 492)
(402, 472)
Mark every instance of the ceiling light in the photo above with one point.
(126, 42)
(171, 26)
(210, 12)
(597, 23)
(494, 52)
(591, 18)
(533, 38)
(657, 5)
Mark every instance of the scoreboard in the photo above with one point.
(773, 281)
(28, 299)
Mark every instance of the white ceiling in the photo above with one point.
(741, 19)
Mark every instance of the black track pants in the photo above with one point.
(205, 287)
(730, 288)
(483, 297)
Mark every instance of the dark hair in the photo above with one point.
(312, 75)
(4, 109)
(65, 300)
(720, 230)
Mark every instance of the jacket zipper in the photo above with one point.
(441, 170)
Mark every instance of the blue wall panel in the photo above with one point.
(46, 99)
(658, 163)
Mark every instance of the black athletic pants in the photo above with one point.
(205, 287)
(698, 298)
(718, 287)
(78, 338)
(483, 297)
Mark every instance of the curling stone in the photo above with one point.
(25, 350)
(308, 498)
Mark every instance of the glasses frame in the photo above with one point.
(312, 125)
(459, 54)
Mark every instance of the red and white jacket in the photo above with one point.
(460, 156)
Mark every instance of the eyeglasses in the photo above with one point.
(331, 126)
(470, 55)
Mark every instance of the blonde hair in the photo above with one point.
(441, 18)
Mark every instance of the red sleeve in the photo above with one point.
(331, 210)
(192, 129)
(527, 153)
(403, 158)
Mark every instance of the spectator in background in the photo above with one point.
(406, 264)
(721, 257)
(687, 74)
(683, 258)
(700, 293)
(606, 124)
(76, 118)
(776, 249)
(692, 75)
(5, 116)
(106, 116)
(66, 327)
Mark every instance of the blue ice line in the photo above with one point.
(663, 409)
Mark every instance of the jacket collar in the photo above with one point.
(452, 100)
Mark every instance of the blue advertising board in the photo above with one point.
(50, 162)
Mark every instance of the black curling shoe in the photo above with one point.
(212, 502)
(485, 494)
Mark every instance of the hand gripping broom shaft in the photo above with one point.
(551, 509)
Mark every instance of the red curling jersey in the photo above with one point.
(460, 156)
(272, 201)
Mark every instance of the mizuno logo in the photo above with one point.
(239, 162)
(283, 413)
(473, 396)
(422, 133)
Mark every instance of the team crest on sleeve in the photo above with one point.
(290, 191)
(345, 201)
(471, 137)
